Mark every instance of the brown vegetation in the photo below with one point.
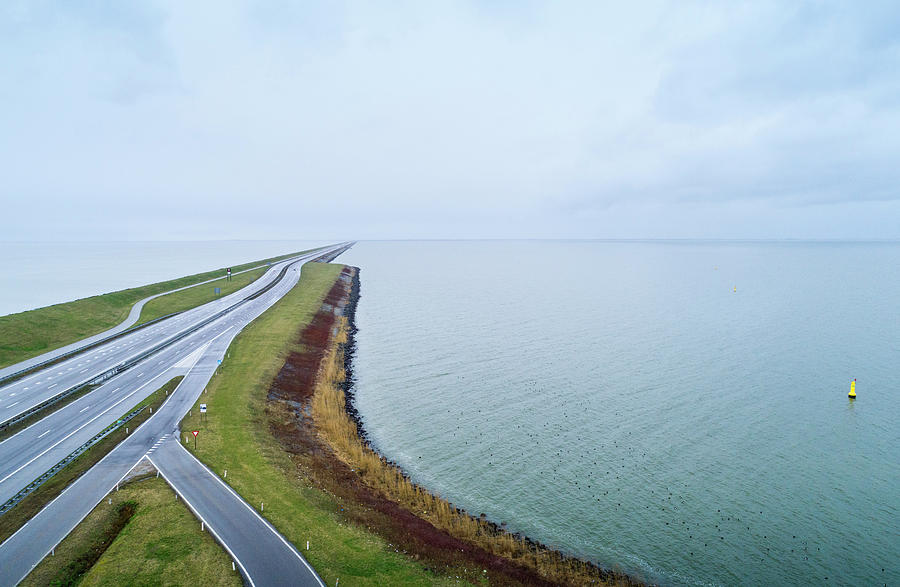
(309, 414)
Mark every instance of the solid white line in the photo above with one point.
(208, 525)
(255, 513)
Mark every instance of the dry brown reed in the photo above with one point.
(340, 432)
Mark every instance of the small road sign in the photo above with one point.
(202, 408)
(217, 290)
(195, 433)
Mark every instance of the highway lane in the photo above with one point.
(130, 320)
(21, 395)
(22, 551)
(24, 394)
(265, 556)
(32, 451)
(26, 455)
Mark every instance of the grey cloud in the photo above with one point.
(278, 119)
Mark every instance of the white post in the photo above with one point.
(126, 430)
(117, 486)
(157, 474)
(226, 474)
(151, 409)
(307, 545)
(202, 526)
(232, 565)
(262, 507)
(53, 551)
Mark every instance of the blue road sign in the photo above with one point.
(218, 290)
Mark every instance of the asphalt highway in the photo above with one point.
(18, 397)
(35, 449)
(265, 556)
(132, 317)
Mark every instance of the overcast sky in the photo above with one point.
(234, 120)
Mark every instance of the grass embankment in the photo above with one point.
(145, 537)
(235, 437)
(35, 501)
(28, 334)
(333, 422)
(196, 296)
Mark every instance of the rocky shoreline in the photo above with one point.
(326, 466)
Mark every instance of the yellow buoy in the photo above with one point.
(735, 289)
(852, 394)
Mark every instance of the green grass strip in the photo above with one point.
(28, 334)
(159, 544)
(196, 296)
(235, 437)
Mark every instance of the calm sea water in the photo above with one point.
(625, 403)
(34, 275)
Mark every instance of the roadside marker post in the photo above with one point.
(195, 433)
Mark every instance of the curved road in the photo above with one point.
(30, 452)
(29, 392)
(132, 317)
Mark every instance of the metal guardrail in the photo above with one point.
(28, 489)
(36, 367)
(31, 487)
(115, 370)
